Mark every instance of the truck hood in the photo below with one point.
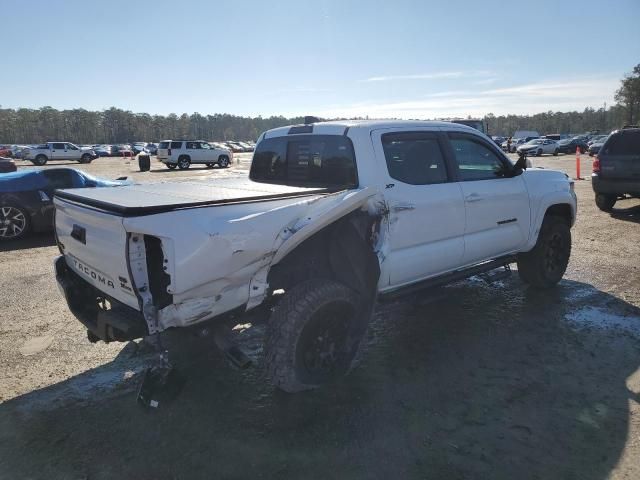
(152, 198)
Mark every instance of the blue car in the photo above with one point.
(26, 198)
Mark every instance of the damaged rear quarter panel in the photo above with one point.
(219, 257)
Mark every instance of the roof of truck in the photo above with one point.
(339, 126)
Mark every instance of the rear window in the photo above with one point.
(176, 145)
(624, 143)
(305, 160)
(163, 145)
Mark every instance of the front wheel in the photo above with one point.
(86, 158)
(223, 161)
(555, 152)
(313, 335)
(605, 202)
(544, 266)
(539, 153)
(14, 223)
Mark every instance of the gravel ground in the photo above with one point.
(481, 381)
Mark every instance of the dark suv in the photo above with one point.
(616, 168)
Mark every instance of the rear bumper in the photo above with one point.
(119, 323)
(615, 187)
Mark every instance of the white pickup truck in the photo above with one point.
(41, 154)
(333, 217)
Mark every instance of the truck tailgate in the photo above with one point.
(152, 198)
(94, 244)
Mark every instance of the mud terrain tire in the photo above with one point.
(544, 266)
(313, 335)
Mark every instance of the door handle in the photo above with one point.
(403, 206)
(473, 197)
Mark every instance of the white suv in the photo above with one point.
(182, 153)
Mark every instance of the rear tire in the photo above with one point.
(539, 153)
(184, 162)
(605, 202)
(555, 153)
(313, 335)
(40, 160)
(544, 266)
(86, 158)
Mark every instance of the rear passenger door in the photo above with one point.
(496, 205)
(58, 151)
(426, 210)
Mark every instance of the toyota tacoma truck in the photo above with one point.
(333, 217)
(41, 154)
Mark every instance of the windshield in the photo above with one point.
(305, 160)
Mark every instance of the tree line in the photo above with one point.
(25, 125)
(113, 126)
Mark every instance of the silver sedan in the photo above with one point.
(539, 146)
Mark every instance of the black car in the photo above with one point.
(570, 145)
(7, 165)
(26, 198)
(616, 168)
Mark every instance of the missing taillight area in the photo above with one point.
(595, 168)
(159, 279)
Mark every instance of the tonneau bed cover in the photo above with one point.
(151, 198)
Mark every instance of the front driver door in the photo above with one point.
(496, 205)
(426, 210)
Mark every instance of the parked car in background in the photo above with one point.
(570, 145)
(103, 150)
(41, 154)
(594, 147)
(596, 139)
(138, 147)
(26, 198)
(616, 168)
(152, 148)
(539, 146)
(5, 151)
(184, 153)
(121, 151)
(233, 147)
(17, 150)
(498, 140)
(7, 165)
(515, 143)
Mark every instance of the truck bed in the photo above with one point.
(152, 198)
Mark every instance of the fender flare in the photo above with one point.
(545, 202)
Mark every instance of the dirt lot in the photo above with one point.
(483, 381)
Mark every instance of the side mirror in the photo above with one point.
(521, 164)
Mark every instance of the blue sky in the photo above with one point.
(406, 59)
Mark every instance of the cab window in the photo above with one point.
(414, 158)
(475, 159)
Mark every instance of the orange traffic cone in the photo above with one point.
(578, 177)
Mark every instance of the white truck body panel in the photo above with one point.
(219, 256)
